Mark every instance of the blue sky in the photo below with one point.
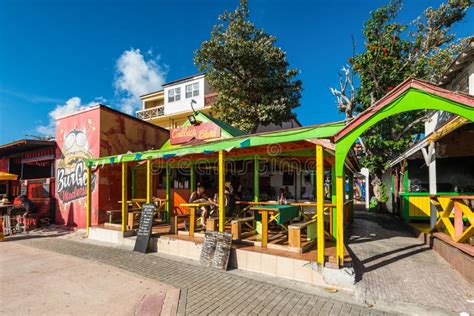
(64, 55)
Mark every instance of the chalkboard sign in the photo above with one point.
(216, 250)
(144, 229)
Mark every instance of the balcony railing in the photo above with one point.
(151, 113)
(210, 99)
(158, 111)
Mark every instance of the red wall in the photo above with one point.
(100, 131)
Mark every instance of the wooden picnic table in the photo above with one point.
(281, 214)
(192, 214)
(137, 203)
(135, 209)
(445, 205)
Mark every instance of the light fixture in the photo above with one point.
(192, 119)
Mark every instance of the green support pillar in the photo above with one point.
(192, 185)
(256, 179)
(168, 196)
(333, 201)
(351, 194)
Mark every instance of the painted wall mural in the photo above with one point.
(71, 170)
(77, 137)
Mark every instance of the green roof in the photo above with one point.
(243, 141)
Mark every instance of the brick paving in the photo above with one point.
(394, 266)
(206, 291)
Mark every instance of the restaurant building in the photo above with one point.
(32, 161)
(96, 131)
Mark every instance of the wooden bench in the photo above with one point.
(110, 215)
(236, 225)
(294, 233)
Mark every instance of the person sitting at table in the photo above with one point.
(23, 207)
(229, 202)
(199, 196)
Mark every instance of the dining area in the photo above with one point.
(291, 226)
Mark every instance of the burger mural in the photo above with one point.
(77, 140)
(71, 169)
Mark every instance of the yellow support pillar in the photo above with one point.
(149, 181)
(340, 219)
(124, 196)
(320, 201)
(221, 192)
(88, 199)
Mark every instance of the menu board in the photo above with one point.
(144, 229)
(216, 250)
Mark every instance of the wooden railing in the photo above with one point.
(151, 113)
(460, 227)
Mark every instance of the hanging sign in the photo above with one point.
(203, 131)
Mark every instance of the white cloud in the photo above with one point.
(136, 76)
(72, 105)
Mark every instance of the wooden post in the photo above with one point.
(256, 179)
(192, 185)
(430, 160)
(88, 199)
(332, 215)
(192, 220)
(320, 201)
(133, 182)
(149, 181)
(124, 197)
(264, 228)
(339, 220)
(221, 192)
(167, 194)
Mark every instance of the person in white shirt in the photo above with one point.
(308, 189)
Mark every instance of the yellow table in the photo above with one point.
(192, 214)
(281, 214)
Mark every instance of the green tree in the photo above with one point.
(393, 52)
(251, 75)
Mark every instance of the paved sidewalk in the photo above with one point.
(38, 282)
(394, 266)
(205, 291)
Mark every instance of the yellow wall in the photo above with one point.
(419, 206)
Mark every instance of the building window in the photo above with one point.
(174, 94)
(192, 90)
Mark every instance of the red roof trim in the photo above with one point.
(398, 91)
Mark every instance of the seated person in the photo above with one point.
(23, 207)
(229, 202)
(198, 196)
(282, 196)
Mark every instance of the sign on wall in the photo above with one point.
(203, 131)
(71, 173)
